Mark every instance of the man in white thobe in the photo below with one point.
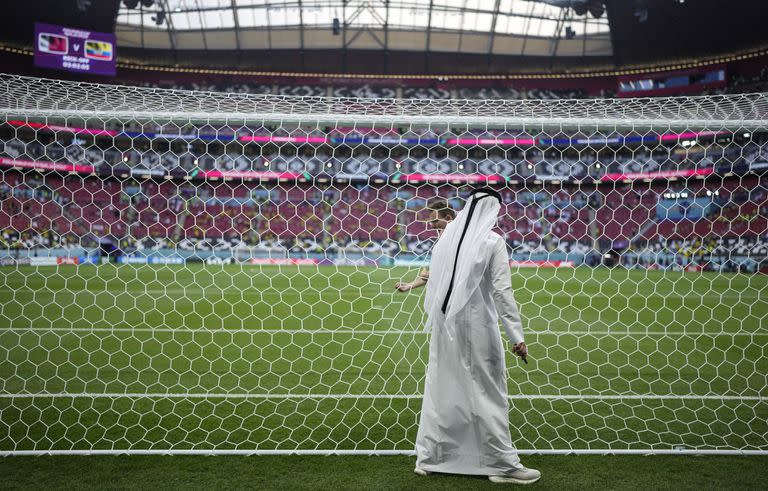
(464, 425)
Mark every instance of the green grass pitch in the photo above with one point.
(317, 358)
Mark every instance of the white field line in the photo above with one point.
(359, 332)
(523, 451)
(252, 290)
(246, 452)
(225, 395)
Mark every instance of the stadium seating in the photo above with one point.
(47, 211)
(568, 163)
(527, 89)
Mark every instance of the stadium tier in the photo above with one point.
(42, 213)
(717, 79)
(365, 153)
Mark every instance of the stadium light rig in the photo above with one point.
(159, 18)
(132, 4)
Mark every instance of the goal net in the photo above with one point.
(215, 272)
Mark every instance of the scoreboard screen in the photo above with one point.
(74, 50)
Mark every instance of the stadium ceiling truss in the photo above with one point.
(490, 27)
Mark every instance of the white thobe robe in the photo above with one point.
(464, 425)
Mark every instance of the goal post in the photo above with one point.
(214, 273)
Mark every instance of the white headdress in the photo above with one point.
(460, 257)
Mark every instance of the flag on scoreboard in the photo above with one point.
(52, 43)
(98, 50)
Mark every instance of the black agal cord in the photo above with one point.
(488, 194)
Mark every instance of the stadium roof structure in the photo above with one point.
(407, 37)
(543, 28)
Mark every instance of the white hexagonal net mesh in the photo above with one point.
(214, 272)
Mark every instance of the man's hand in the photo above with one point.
(403, 287)
(521, 350)
(420, 281)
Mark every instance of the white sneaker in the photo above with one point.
(420, 472)
(522, 475)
